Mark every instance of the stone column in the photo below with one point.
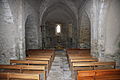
(7, 33)
(101, 28)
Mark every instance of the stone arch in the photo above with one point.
(85, 30)
(58, 5)
(31, 33)
(48, 3)
(60, 12)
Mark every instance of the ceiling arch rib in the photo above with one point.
(59, 12)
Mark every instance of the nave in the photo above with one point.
(71, 64)
(59, 39)
(60, 67)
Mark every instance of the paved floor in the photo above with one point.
(60, 68)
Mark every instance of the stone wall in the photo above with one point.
(105, 35)
(85, 31)
(9, 45)
(51, 39)
(112, 43)
(31, 26)
(13, 15)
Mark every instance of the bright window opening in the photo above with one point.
(58, 28)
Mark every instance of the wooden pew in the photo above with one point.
(51, 57)
(37, 59)
(70, 57)
(79, 54)
(84, 66)
(77, 50)
(40, 59)
(81, 60)
(9, 76)
(47, 55)
(24, 69)
(84, 60)
(93, 65)
(44, 55)
(112, 74)
(74, 58)
(80, 57)
(41, 50)
(40, 54)
(28, 62)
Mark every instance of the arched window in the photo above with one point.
(58, 29)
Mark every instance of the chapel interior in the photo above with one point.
(59, 39)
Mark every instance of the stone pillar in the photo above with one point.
(102, 13)
(7, 34)
(21, 31)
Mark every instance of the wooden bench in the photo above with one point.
(42, 51)
(80, 54)
(38, 59)
(112, 74)
(77, 50)
(41, 59)
(70, 57)
(84, 60)
(84, 66)
(44, 55)
(93, 65)
(51, 57)
(29, 62)
(8, 76)
(40, 54)
(24, 69)
(80, 57)
(81, 60)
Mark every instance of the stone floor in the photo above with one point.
(60, 68)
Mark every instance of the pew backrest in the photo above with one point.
(28, 62)
(112, 74)
(8, 76)
(84, 60)
(37, 58)
(95, 65)
(23, 67)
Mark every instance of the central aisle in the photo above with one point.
(60, 68)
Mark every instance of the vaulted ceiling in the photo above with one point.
(63, 11)
(59, 12)
(78, 3)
